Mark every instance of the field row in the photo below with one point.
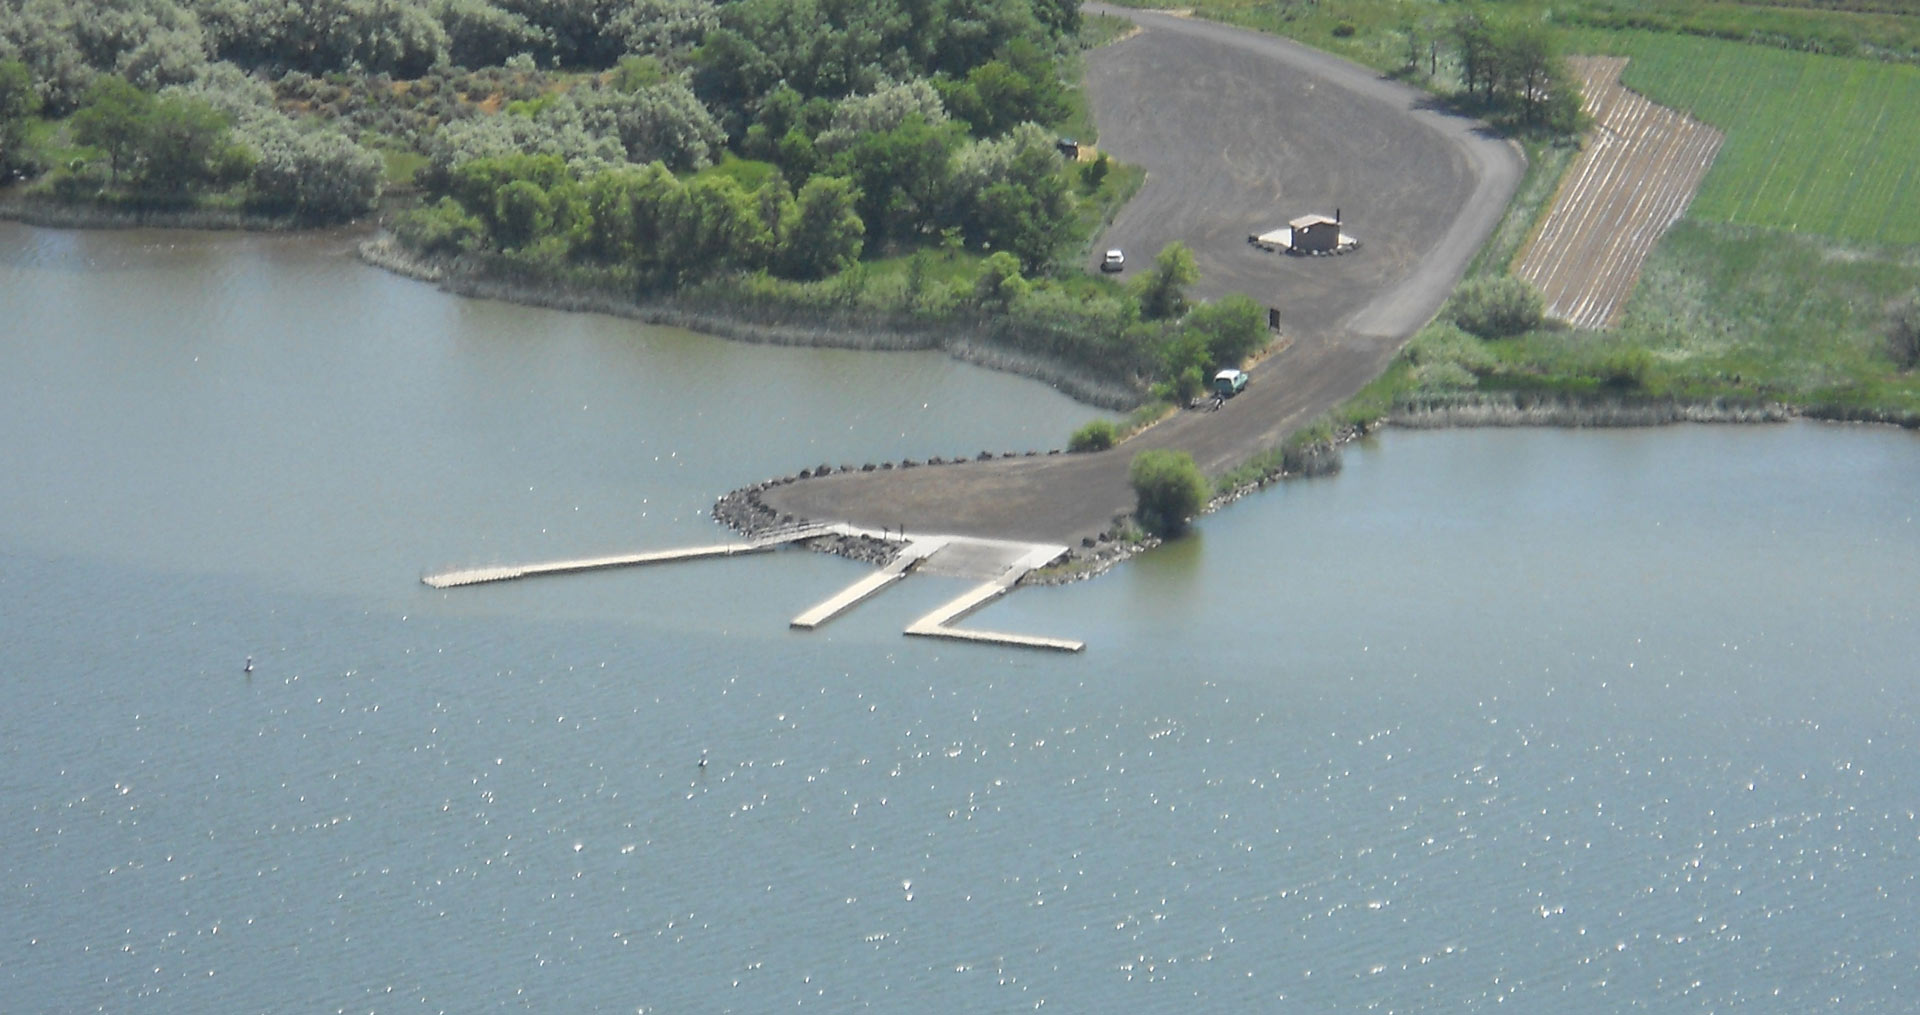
(1638, 171)
(1815, 144)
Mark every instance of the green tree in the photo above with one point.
(1162, 291)
(902, 175)
(1526, 64)
(776, 210)
(522, 214)
(1231, 329)
(184, 145)
(1169, 490)
(441, 229)
(165, 145)
(1018, 87)
(1027, 206)
(1000, 282)
(1473, 39)
(18, 103)
(478, 183)
(730, 70)
(480, 34)
(113, 116)
(605, 230)
(1183, 360)
(723, 229)
(824, 235)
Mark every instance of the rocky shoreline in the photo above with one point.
(745, 511)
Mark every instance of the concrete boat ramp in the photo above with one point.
(998, 565)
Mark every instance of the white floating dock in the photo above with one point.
(1002, 563)
(508, 572)
(937, 624)
(853, 595)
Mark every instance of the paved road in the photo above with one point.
(1238, 132)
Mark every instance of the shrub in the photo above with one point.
(1498, 307)
(1626, 368)
(1095, 436)
(1903, 331)
(1093, 174)
(443, 229)
(1443, 375)
(1170, 490)
(1232, 329)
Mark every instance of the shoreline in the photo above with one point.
(464, 277)
(52, 213)
(740, 508)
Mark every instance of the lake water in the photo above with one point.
(1528, 720)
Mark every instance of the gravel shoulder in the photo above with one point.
(1239, 132)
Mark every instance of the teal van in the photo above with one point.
(1228, 383)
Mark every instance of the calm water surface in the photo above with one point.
(1565, 721)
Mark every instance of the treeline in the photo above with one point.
(1510, 67)
(185, 142)
(886, 93)
(914, 184)
(665, 231)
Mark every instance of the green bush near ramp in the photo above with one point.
(1170, 488)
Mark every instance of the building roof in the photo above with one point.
(1307, 221)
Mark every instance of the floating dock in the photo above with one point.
(853, 595)
(938, 623)
(508, 572)
(1000, 563)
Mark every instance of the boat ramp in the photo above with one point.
(998, 565)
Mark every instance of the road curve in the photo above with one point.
(1238, 132)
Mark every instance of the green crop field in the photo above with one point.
(1821, 145)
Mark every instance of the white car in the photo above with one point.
(1114, 261)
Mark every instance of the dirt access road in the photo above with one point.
(1238, 132)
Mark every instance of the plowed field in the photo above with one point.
(1641, 166)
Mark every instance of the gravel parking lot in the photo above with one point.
(1238, 132)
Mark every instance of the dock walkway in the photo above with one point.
(508, 572)
(938, 623)
(851, 596)
(1000, 563)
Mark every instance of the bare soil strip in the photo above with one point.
(1639, 171)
